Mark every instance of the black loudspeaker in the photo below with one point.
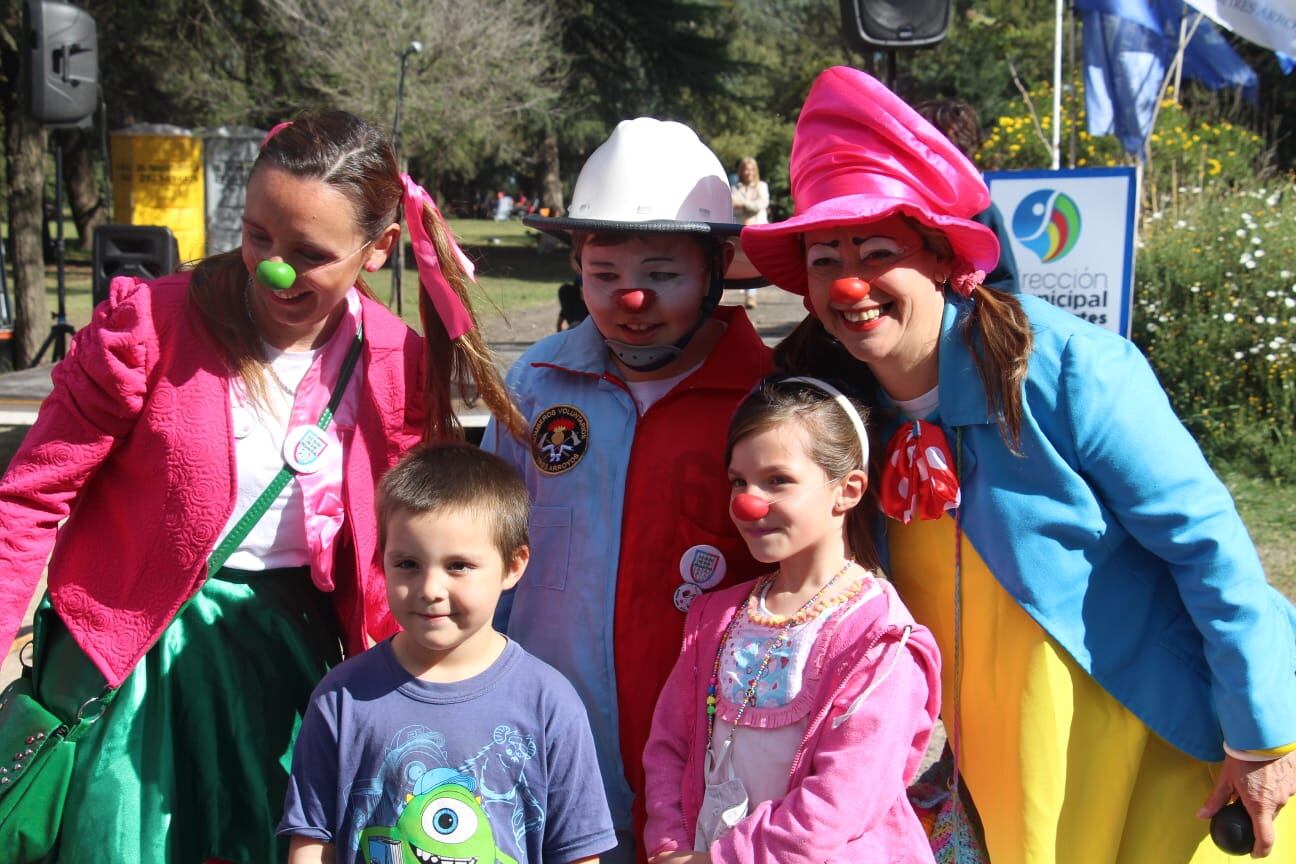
(63, 59)
(144, 251)
(872, 24)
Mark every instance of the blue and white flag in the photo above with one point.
(1123, 73)
(1129, 44)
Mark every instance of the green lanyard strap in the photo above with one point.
(259, 507)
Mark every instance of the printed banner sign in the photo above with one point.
(1072, 233)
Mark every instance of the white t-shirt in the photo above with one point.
(279, 538)
(646, 393)
(920, 407)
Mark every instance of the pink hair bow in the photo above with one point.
(454, 315)
(964, 278)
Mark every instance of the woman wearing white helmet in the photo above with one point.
(628, 413)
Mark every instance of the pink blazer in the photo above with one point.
(134, 448)
(846, 793)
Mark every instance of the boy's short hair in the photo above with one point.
(581, 239)
(454, 475)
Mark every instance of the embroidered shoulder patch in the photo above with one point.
(559, 437)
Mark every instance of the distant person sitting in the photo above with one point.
(751, 205)
(958, 121)
(503, 206)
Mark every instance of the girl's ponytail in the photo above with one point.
(456, 362)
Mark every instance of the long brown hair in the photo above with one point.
(356, 159)
(996, 330)
(833, 445)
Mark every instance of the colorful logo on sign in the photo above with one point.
(1047, 222)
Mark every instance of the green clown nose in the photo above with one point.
(276, 275)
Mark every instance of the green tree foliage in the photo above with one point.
(194, 63)
(486, 68)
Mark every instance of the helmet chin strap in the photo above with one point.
(650, 358)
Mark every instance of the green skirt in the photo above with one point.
(191, 759)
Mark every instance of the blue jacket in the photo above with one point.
(1114, 534)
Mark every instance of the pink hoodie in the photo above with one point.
(846, 794)
(134, 447)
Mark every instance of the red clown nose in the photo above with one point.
(632, 301)
(748, 507)
(848, 290)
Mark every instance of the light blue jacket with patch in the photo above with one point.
(1114, 534)
(610, 527)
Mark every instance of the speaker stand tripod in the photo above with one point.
(61, 329)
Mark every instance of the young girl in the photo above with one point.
(170, 415)
(802, 702)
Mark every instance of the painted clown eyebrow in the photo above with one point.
(857, 241)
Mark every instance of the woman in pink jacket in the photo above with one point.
(801, 705)
(174, 410)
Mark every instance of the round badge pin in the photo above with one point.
(242, 421)
(303, 448)
(685, 595)
(702, 565)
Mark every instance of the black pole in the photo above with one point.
(61, 329)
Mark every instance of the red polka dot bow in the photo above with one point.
(917, 479)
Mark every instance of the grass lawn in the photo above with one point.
(1269, 511)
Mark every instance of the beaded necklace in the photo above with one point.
(806, 613)
(749, 697)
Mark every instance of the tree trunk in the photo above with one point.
(551, 191)
(25, 174)
(88, 210)
(25, 154)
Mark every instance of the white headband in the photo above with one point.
(840, 398)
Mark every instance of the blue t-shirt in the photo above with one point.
(499, 767)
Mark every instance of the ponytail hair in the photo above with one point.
(454, 362)
(998, 334)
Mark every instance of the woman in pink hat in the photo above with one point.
(1116, 666)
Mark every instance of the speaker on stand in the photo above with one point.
(63, 90)
(144, 251)
(894, 25)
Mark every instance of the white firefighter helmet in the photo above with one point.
(650, 176)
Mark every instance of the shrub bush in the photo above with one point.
(1186, 149)
(1215, 294)
(1215, 312)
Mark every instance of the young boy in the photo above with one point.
(446, 742)
(628, 414)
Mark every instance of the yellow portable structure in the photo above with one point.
(157, 179)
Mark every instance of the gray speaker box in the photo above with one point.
(63, 62)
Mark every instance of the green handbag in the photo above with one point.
(38, 749)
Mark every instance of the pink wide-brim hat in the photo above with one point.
(860, 154)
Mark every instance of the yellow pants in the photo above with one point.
(1057, 768)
